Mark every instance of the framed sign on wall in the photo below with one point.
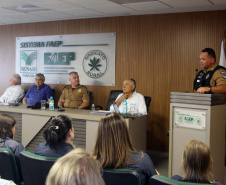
(91, 55)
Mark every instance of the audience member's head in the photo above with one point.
(75, 168)
(7, 126)
(113, 144)
(15, 80)
(60, 130)
(197, 162)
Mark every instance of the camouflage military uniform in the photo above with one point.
(219, 77)
(73, 97)
(214, 77)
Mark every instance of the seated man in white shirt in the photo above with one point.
(132, 97)
(15, 92)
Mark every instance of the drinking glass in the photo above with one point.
(133, 108)
(43, 104)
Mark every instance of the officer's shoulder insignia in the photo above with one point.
(223, 74)
(84, 86)
(65, 88)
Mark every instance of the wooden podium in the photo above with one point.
(200, 117)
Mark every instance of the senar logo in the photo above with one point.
(28, 58)
(95, 64)
(28, 61)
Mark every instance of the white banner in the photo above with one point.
(222, 61)
(91, 55)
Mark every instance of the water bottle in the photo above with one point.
(124, 107)
(93, 108)
(51, 103)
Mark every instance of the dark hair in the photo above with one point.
(40, 75)
(210, 52)
(134, 83)
(57, 131)
(73, 72)
(6, 124)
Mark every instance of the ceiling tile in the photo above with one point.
(5, 3)
(25, 16)
(6, 12)
(146, 5)
(53, 15)
(186, 3)
(35, 1)
(218, 1)
(112, 9)
(82, 12)
(89, 3)
(55, 5)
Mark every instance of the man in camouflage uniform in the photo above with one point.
(74, 95)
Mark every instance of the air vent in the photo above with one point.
(26, 8)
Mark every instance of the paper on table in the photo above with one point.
(100, 112)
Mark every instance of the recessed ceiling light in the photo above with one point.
(26, 8)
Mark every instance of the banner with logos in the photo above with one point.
(91, 55)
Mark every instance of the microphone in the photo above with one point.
(196, 71)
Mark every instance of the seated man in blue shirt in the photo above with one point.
(38, 92)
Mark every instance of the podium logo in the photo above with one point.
(95, 64)
(28, 61)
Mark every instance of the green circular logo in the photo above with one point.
(95, 63)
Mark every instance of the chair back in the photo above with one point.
(147, 100)
(20, 98)
(90, 93)
(112, 97)
(35, 168)
(161, 180)
(121, 177)
(8, 169)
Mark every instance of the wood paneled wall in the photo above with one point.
(160, 51)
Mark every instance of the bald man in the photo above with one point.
(132, 98)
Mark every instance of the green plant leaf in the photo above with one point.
(94, 64)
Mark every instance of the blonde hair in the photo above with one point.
(113, 144)
(197, 162)
(75, 168)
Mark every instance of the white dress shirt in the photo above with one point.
(12, 93)
(6, 182)
(136, 100)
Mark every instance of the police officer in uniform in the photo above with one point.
(74, 95)
(212, 79)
